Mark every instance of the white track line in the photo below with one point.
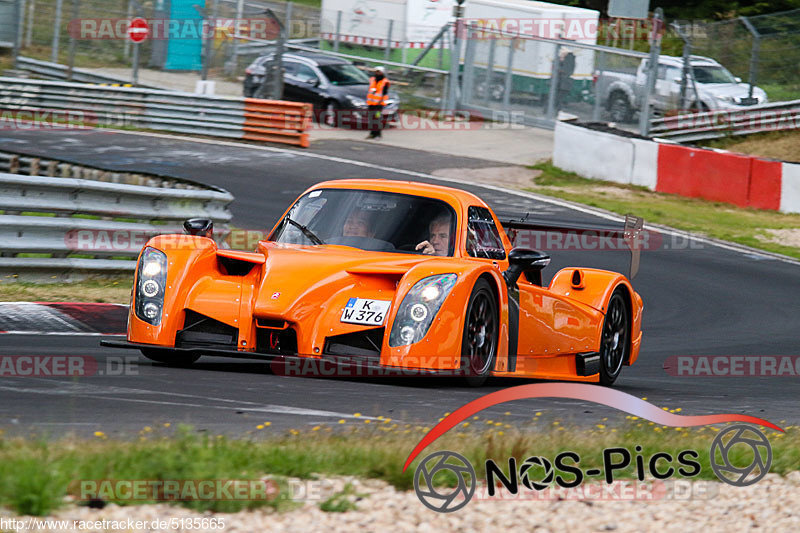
(600, 213)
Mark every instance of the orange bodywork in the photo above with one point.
(283, 287)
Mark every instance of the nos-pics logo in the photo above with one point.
(445, 481)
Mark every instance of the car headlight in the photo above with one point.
(151, 279)
(418, 309)
(729, 99)
(356, 101)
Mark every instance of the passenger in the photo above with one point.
(358, 224)
(438, 242)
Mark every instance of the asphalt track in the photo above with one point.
(700, 299)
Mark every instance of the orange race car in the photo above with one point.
(401, 275)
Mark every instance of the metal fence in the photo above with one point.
(763, 50)
(55, 104)
(535, 78)
(68, 227)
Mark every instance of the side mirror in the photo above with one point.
(525, 260)
(201, 227)
(738, 79)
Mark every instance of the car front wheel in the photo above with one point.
(480, 338)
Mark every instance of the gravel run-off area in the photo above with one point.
(772, 504)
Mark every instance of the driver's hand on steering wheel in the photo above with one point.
(426, 247)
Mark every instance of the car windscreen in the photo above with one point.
(712, 75)
(370, 220)
(344, 74)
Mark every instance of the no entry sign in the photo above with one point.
(138, 30)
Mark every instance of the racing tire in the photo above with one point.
(615, 340)
(169, 357)
(699, 107)
(481, 333)
(619, 108)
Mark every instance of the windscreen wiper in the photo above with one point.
(307, 232)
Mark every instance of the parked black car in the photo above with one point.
(336, 87)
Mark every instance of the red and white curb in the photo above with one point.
(63, 318)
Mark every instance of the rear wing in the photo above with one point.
(630, 233)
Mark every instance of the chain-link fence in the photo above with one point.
(536, 78)
(763, 50)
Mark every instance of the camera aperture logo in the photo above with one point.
(438, 489)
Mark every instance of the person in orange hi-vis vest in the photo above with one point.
(377, 96)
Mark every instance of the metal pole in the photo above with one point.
(468, 76)
(455, 60)
(598, 95)
(135, 63)
(388, 51)
(211, 25)
(126, 49)
(338, 31)
(288, 19)
(655, 53)
(687, 53)
(489, 70)
(75, 15)
(231, 66)
(29, 33)
(753, 53)
(551, 97)
(19, 9)
(56, 32)
(509, 80)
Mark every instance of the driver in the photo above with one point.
(358, 224)
(438, 242)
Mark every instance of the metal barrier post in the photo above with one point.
(598, 95)
(56, 31)
(551, 96)
(29, 31)
(652, 70)
(753, 54)
(75, 15)
(388, 50)
(338, 31)
(489, 71)
(509, 67)
(468, 79)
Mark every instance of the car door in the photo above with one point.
(304, 82)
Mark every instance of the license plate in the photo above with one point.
(365, 311)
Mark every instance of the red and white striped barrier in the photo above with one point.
(662, 166)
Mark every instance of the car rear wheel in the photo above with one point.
(480, 338)
(169, 357)
(615, 344)
(619, 108)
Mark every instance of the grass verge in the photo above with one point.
(783, 145)
(37, 475)
(100, 290)
(750, 227)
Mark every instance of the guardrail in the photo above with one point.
(713, 124)
(91, 226)
(57, 71)
(80, 105)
